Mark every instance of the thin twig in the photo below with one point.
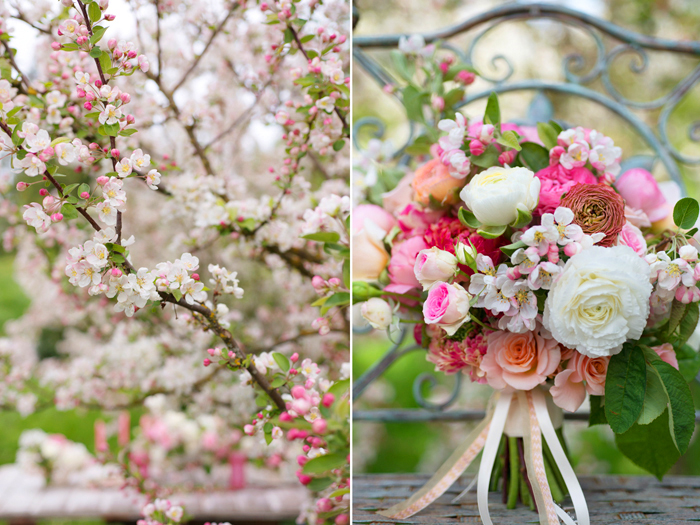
(22, 76)
(214, 34)
(160, 49)
(20, 16)
(239, 120)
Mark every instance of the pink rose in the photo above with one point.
(569, 390)
(632, 236)
(397, 199)
(640, 190)
(555, 181)
(667, 354)
(447, 306)
(520, 361)
(403, 259)
(434, 265)
(415, 220)
(374, 213)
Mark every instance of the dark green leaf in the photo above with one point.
(338, 145)
(688, 323)
(625, 385)
(487, 159)
(337, 299)
(322, 237)
(650, 446)
(688, 362)
(324, 463)
(597, 416)
(288, 36)
(534, 156)
(95, 52)
(278, 382)
(320, 484)
(492, 115)
(685, 213)
(677, 311)
(511, 248)
(655, 398)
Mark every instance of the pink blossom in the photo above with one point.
(641, 191)
(632, 236)
(401, 264)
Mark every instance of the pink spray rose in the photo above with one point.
(434, 265)
(640, 190)
(569, 390)
(447, 306)
(520, 361)
(556, 181)
(632, 236)
(374, 213)
(667, 354)
(403, 259)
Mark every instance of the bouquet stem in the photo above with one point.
(511, 469)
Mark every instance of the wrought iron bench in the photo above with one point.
(631, 500)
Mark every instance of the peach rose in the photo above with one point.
(569, 390)
(434, 179)
(667, 354)
(369, 258)
(519, 361)
(396, 200)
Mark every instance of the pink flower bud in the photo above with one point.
(286, 417)
(342, 519)
(324, 505)
(513, 273)
(507, 157)
(115, 153)
(57, 217)
(98, 83)
(80, 92)
(476, 147)
(85, 195)
(553, 254)
(132, 54)
(554, 154)
(328, 400)
(299, 392)
(306, 448)
(572, 249)
(55, 46)
(465, 77)
(195, 276)
(111, 43)
(43, 192)
(21, 186)
(110, 17)
(295, 356)
(130, 119)
(116, 273)
(249, 430)
(125, 98)
(303, 478)
(302, 460)
(88, 106)
(210, 351)
(101, 180)
(207, 362)
(319, 426)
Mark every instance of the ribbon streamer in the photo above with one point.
(487, 436)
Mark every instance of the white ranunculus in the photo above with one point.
(599, 301)
(377, 313)
(494, 196)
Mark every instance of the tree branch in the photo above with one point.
(23, 78)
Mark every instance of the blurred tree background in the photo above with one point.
(536, 49)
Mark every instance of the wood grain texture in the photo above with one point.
(614, 500)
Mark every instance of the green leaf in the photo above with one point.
(338, 145)
(413, 102)
(523, 219)
(453, 96)
(548, 135)
(97, 34)
(118, 258)
(487, 159)
(324, 463)
(688, 323)
(84, 188)
(322, 237)
(556, 127)
(278, 382)
(510, 139)
(95, 52)
(319, 484)
(650, 446)
(492, 115)
(688, 362)
(681, 412)
(282, 361)
(69, 211)
(346, 273)
(655, 398)
(468, 219)
(288, 36)
(512, 248)
(597, 416)
(685, 213)
(70, 47)
(625, 385)
(68, 189)
(401, 65)
(307, 38)
(112, 130)
(177, 294)
(128, 132)
(534, 156)
(106, 62)
(677, 312)
(339, 388)
(421, 146)
(491, 232)
(94, 12)
(337, 299)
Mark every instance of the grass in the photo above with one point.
(13, 302)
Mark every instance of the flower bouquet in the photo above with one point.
(526, 261)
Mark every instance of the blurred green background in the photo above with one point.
(537, 49)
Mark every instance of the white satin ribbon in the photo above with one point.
(567, 472)
(488, 456)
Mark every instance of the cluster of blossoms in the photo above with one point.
(206, 158)
(542, 276)
(53, 455)
(161, 512)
